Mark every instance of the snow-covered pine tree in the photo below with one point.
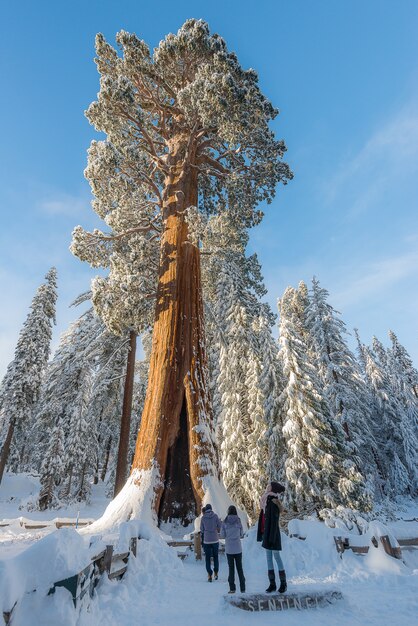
(81, 440)
(21, 384)
(125, 299)
(63, 403)
(233, 287)
(388, 420)
(242, 428)
(343, 386)
(381, 355)
(405, 381)
(381, 478)
(234, 425)
(256, 478)
(401, 363)
(361, 354)
(224, 273)
(105, 404)
(47, 412)
(272, 384)
(52, 469)
(401, 378)
(82, 394)
(318, 467)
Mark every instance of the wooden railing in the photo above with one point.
(114, 564)
(108, 562)
(56, 523)
(343, 543)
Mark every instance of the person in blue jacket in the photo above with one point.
(210, 526)
(232, 532)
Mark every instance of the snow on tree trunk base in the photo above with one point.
(134, 501)
(137, 501)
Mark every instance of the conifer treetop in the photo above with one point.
(187, 108)
(190, 97)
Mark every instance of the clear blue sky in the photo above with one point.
(344, 75)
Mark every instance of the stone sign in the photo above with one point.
(283, 602)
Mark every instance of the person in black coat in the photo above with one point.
(268, 532)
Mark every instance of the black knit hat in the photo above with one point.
(276, 487)
(208, 507)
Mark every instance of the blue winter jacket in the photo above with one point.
(210, 526)
(232, 532)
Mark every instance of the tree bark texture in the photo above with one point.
(106, 461)
(6, 448)
(125, 423)
(177, 374)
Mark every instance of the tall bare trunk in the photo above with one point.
(106, 461)
(125, 423)
(6, 448)
(179, 448)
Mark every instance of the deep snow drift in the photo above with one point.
(161, 590)
(377, 589)
(135, 501)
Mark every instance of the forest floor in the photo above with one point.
(375, 594)
(161, 590)
(18, 495)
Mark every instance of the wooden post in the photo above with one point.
(339, 544)
(389, 549)
(107, 559)
(197, 546)
(133, 546)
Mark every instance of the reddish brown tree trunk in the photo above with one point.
(125, 422)
(177, 375)
(106, 461)
(6, 449)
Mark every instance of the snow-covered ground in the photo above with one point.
(18, 493)
(377, 590)
(161, 590)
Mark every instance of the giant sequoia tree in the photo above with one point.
(186, 127)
